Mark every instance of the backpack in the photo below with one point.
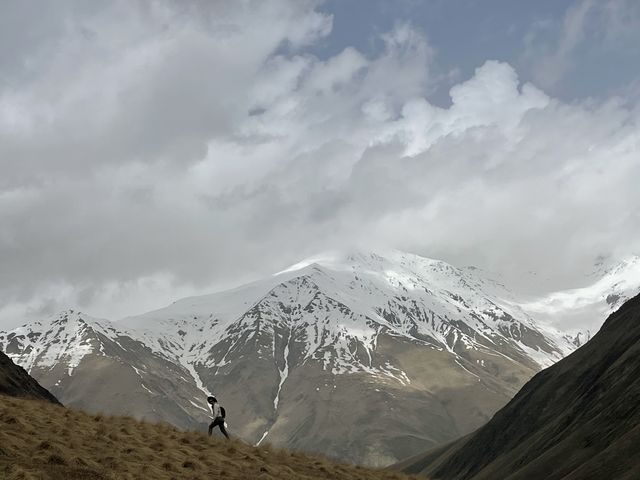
(223, 413)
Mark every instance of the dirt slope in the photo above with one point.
(579, 419)
(40, 440)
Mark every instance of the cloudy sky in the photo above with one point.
(153, 150)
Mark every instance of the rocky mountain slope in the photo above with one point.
(15, 381)
(579, 419)
(40, 440)
(360, 356)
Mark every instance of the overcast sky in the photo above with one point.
(153, 150)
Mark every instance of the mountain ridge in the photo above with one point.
(45, 441)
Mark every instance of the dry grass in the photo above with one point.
(39, 440)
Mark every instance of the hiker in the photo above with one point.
(218, 417)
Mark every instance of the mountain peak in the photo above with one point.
(335, 259)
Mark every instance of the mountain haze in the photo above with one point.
(582, 310)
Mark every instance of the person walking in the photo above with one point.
(219, 415)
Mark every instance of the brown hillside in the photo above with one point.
(41, 440)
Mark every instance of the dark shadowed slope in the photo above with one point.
(579, 419)
(15, 381)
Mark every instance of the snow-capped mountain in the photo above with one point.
(579, 311)
(94, 365)
(362, 356)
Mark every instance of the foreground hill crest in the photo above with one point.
(45, 441)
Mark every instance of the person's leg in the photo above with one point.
(211, 425)
(223, 430)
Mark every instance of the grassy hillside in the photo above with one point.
(41, 440)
